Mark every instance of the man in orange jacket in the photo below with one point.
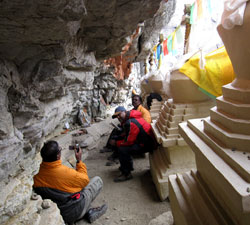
(69, 188)
(137, 103)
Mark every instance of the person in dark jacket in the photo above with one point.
(69, 188)
(138, 139)
(116, 134)
(151, 97)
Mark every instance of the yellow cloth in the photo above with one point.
(60, 177)
(218, 71)
(145, 113)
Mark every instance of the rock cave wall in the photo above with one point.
(51, 64)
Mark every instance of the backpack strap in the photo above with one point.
(149, 142)
(143, 132)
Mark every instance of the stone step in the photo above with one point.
(208, 103)
(161, 163)
(178, 118)
(236, 94)
(234, 108)
(234, 158)
(225, 183)
(193, 116)
(166, 139)
(161, 184)
(191, 205)
(230, 122)
(156, 133)
(181, 142)
(210, 198)
(162, 132)
(163, 118)
(166, 161)
(162, 127)
(178, 111)
(168, 142)
(171, 130)
(230, 140)
(166, 108)
(154, 116)
(171, 136)
(155, 110)
(172, 124)
(197, 109)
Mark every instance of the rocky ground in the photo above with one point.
(129, 203)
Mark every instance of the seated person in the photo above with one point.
(137, 103)
(115, 134)
(138, 139)
(151, 97)
(70, 189)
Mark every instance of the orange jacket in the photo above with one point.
(60, 177)
(145, 113)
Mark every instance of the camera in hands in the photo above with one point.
(72, 147)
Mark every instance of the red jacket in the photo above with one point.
(132, 130)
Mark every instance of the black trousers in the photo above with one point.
(125, 154)
(115, 135)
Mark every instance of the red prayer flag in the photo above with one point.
(165, 47)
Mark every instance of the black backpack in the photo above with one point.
(143, 137)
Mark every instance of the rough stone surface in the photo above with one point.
(164, 219)
(50, 70)
(153, 27)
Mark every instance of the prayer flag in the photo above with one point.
(159, 62)
(179, 35)
(199, 8)
(209, 6)
(169, 44)
(159, 51)
(174, 50)
(192, 14)
(165, 47)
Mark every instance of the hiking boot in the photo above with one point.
(121, 169)
(112, 157)
(94, 213)
(112, 162)
(105, 149)
(123, 177)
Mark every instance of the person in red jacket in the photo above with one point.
(138, 139)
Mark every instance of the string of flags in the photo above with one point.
(171, 45)
(168, 46)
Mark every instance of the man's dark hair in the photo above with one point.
(49, 151)
(138, 96)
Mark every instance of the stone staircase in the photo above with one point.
(155, 108)
(174, 155)
(221, 146)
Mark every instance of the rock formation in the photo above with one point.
(51, 65)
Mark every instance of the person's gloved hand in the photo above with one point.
(78, 154)
(112, 142)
